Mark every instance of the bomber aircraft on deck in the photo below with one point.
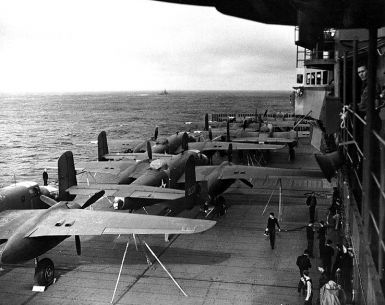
(31, 233)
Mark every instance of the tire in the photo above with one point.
(44, 272)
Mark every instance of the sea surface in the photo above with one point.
(37, 128)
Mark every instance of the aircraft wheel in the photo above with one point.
(44, 272)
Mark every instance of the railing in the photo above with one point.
(352, 141)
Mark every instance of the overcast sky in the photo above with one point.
(125, 45)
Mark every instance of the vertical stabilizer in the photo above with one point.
(66, 175)
(228, 131)
(185, 141)
(190, 182)
(102, 146)
(156, 132)
(206, 122)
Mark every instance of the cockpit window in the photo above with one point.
(158, 164)
(35, 191)
(162, 142)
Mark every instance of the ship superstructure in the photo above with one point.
(352, 140)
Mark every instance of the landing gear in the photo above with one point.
(44, 272)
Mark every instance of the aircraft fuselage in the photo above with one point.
(23, 195)
(20, 247)
(217, 186)
(167, 175)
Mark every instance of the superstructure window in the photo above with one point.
(318, 78)
(313, 78)
(325, 77)
(307, 78)
(299, 78)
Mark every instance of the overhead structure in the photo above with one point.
(312, 16)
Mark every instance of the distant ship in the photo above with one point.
(164, 92)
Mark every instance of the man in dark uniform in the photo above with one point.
(327, 256)
(311, 202)
(310, 238)
(321, 236)
(45, 177)
(303, 262)
(271, 223)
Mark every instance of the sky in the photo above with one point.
(133, 45)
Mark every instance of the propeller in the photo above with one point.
(230, 153)
(228, 131)
(244, 125)
(206, 122)
(185, 141)
(247, 182)
(48, 201)
(149, 150)
(210, 134)
(265, 114)
(95, 197)
(77, 244)
(156, 133)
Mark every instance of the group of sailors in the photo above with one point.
(334, 277)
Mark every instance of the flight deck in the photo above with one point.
(230, 264)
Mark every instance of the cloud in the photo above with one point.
(138, 45)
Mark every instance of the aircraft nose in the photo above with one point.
(204, 160)
(6, 258)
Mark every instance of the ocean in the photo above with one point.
(37, 128)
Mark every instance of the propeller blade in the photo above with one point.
(210, 134)
(228, 131)
(49, 201)
(149, 150)
(156, 133)
(185, 141)
(244, 125)
(247, 182)
(78, 246)
(206, 122)
(230, 153)
(93, 199)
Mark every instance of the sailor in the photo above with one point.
(321, 236)
(45, 177)
(303, 262)
(327, 256)
(311, 202)
(271, 223)
(310, 238)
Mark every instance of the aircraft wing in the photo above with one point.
(11, 220)
(224, 146)
(105, 167)
(108, 171)
(129, 191)
(134, 156)
(201, 173)
(250, 172)
(264, 140)
(90, 222)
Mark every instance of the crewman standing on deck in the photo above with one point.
(45, 177)
(310, 238)
(311, 202)
(271, 223)
(321, 236)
